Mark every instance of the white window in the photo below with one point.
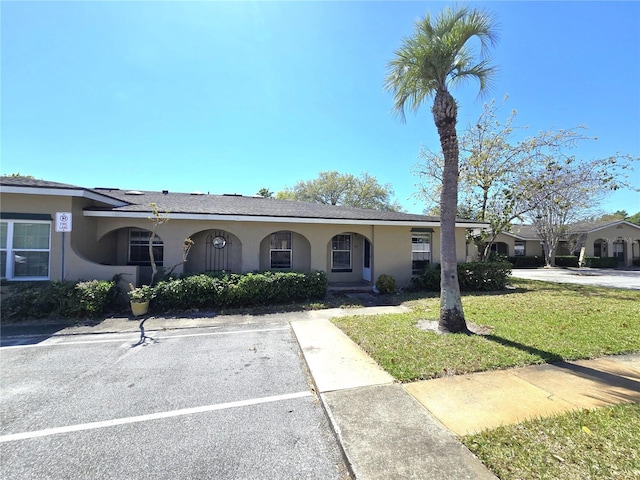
(519, 249)
(341, 253)
(281, 251)
(420, 252)
(25, 249)
(139, 248)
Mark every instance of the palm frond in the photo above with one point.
(439, 55)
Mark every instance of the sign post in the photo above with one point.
(63, 224)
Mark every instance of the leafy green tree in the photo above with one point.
(333, 188)
(437, 56)
(265, 193)
(635, 218)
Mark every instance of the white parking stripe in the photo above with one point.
(152, 416)
(54, 344)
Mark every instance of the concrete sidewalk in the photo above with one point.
(388, 430)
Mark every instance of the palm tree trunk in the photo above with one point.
(445, 113)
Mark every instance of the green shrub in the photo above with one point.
(566, 261)
(526, 262)
(226, 290)
(483, 276)
(386, 284)
(472, 276)
(428, 280)
(54, 300)
(601, 262)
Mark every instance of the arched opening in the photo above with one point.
(285, 250)
(214, 251)
(600, 248)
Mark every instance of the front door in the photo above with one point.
(366, 261)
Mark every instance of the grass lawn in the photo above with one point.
(586, 444)
(537, 322)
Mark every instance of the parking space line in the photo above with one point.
(152, 416)
(120, 340)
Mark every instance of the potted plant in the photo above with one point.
(139, 297)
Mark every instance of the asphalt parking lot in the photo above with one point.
(222, 402)
(601, 277)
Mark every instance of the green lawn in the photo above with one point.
(537, 322)
(586, 444)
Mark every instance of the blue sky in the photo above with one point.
(230, 97)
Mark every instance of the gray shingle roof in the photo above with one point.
(232, 205)
(251, 206)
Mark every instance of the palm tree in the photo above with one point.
(439, 55)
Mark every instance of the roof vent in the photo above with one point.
(133, 192)
(197, 193)
(107, 188)
(165, 192)
(231, 195)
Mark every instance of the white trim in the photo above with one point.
(10, 252)
(271, 219)
(63, 192)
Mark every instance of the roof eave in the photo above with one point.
(275, 219)
(63, 192)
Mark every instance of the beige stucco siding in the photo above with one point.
(78, 242)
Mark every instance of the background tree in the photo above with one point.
(333, 188)
(438, 55)
(265, 193)
(496, 171)
(503, 179)
(567, 190)
(635, 218)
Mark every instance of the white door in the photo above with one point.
(366, 261)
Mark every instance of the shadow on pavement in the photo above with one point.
(12, 335)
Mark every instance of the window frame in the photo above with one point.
(335, 249)
(274, 248)
(158, 246)
(420, 235)
(9, 251)
(516, 249)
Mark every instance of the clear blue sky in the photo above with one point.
(230, 97)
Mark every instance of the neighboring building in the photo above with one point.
(600, 239)
(111, 229)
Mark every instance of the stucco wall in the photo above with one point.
(98, 246)
(78, 242)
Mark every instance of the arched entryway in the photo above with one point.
(600, 248)
(215, 250)
(285, 250)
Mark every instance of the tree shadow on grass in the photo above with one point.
(619, 384)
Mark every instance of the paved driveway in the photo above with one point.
(602, 277)
(223, 402)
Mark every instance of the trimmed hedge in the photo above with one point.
(234, 290)
(566, 261)
(601, 262)
(472, 276)
(35, 300)
(526, 262)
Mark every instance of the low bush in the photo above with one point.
(234, 290)
(483, 276)
(566, 261)
(36, 300)
(600, 262)
(428, 280)
(386, 284)
(526, 262)
(472, 276)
